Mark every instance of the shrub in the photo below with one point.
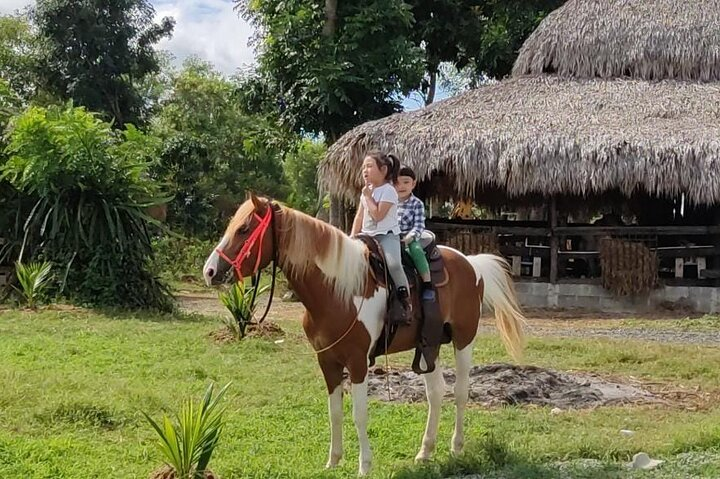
(300, 171)
(34, 279)
(178, 258)
(89, 189)
(237, 300)
(189, 444)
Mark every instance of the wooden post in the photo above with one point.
(335, 211)
(516, 266)
(554, 241)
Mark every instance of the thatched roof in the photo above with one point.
(584, 113)
(651, 40)
(551, 136)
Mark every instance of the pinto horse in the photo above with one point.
(345, 307)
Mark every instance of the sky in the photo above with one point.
(209, 29)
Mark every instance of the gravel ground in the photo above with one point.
(709, 338)
(686, 465)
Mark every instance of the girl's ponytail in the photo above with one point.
(389, 161)
(394, 169)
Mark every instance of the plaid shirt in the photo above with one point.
(411, 216)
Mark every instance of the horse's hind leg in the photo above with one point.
(463, 362)
(435, 389)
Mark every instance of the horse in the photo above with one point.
(345, 306)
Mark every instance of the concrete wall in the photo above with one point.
(595, 298)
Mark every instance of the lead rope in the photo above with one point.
(387, 334)
(355, 321)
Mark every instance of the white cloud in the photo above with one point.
(11, 6)
(210, 29)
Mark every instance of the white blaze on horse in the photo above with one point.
(345, 308)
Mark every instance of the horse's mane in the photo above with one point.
(306, 241)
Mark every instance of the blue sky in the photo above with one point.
(209, 29)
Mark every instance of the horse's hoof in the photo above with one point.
(333, 462)
(422, 457)
(456, 449)
(364, 468)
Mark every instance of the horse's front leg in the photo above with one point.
(332, 371)
(358, 376)
(435, 389)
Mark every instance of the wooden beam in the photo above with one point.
(637, 230)
(533, 228)
(514, 230)
(554, 241)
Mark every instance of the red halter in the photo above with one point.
(256, 236)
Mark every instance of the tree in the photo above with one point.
(300, 172)
(213, 150)
(95, 52)
(18, 55)
(481, 37)
(11, 202)
(326, 70)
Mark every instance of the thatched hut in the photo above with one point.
(613, 106)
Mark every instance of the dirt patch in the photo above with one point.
(167, 472)
(265, 330)
(505, 384)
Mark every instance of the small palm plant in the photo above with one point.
(34, 278)
(188, 446)
(237, 300)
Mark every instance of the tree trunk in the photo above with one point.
(337, 205)
(433, 86)
(330, 18)
(335, 215)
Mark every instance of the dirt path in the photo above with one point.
(546, 323)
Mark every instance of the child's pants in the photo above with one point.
(391, 246)
(416, 249)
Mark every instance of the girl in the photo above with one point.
(377, 216)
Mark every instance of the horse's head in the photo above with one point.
(247, 245)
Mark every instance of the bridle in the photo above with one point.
(256, 237)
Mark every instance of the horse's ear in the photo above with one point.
(257, 202)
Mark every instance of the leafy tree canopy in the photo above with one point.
(96, 50)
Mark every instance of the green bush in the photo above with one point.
(188, 445)
(179, 258)
(89, 187)
(237, 300)
(34, 279)
(300, 172)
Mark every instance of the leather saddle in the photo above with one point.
(431, 331)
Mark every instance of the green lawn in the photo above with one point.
(702, 323)
(74, 384)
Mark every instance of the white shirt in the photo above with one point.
(385, 193)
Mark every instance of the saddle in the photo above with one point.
(431, 328)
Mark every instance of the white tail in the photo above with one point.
(501, 297)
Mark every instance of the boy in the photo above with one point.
(411, 216)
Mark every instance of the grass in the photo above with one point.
(74, 383)
(701, 324)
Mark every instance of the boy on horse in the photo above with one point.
(411, 217)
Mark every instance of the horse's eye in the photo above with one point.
(242, 229)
